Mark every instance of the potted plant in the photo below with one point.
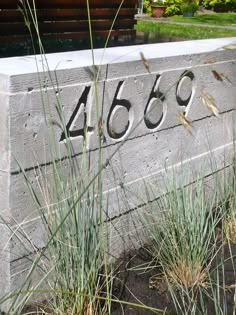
(158, 8)
(189, 7)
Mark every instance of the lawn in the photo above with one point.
(183, 31)
(215, 19)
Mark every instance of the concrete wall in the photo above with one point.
(179, 73)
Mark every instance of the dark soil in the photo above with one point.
(137, 288)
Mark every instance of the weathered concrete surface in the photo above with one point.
(179, 75)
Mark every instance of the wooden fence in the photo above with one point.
(67, 19)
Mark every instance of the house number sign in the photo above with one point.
(118, 121)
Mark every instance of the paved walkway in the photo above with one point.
(145, 17)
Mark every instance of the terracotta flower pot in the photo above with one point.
(158, 10)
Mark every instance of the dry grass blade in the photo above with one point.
(210, 61)
(230, 46)
(217, 75)
(186, 122)
(188, 275)
(230, 228)
(145, 62)
(220, 76)
(209, 102)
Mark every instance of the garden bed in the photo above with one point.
(137, 283)
(140, 289)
